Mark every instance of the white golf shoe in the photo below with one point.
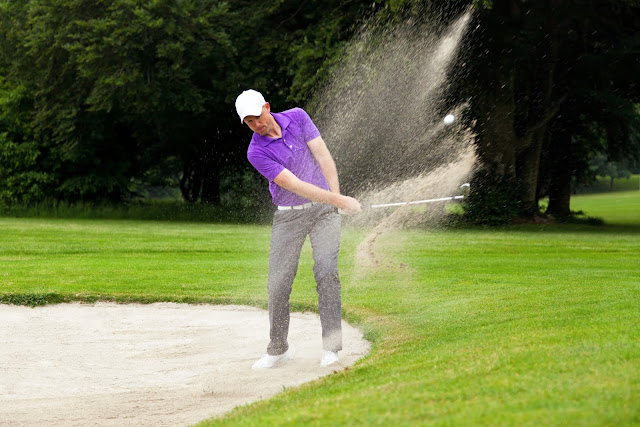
(267, 361)
(328, 358)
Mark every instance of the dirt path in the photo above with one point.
(157, 364)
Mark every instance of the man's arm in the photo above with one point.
(325, 161)
(287, 180)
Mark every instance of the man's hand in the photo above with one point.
(349, 205)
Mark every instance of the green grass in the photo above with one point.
(527, 325)
(621, 208)
(603, 184)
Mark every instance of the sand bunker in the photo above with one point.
(157, 364)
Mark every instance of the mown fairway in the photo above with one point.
(525, 325)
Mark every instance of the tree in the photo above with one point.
(600, 115)
(606, 168)
(116, 87)
(23, 178)
(590, 126)
(121, 89)
(526, 60)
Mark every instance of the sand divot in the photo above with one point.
(156, 364)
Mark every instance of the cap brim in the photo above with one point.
(250, 112)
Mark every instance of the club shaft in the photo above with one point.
(417, 202)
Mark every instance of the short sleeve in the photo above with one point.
(267, 166)
(309, 129)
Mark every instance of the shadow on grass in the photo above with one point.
(170, 211)
(573, 224)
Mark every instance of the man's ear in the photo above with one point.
(268, 107)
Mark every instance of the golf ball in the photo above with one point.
(448, 119)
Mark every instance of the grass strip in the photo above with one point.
(518, 325)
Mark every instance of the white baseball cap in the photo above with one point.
(249, 103)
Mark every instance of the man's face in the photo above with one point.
(260, 124)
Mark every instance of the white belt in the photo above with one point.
(306, 205)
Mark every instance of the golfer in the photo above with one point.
(287, 149)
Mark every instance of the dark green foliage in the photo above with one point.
(101, 101)
(604, 167)
(124, 94)
(33, 299)
(37, 299)
(540, 77)
(153, 210)
(115, 87)
(23, 176)
(22, 181)
(494, 200)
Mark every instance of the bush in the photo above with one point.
(492, 201)
(21, 181)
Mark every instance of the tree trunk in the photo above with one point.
(191, 181)
(185, 183)
(211, 184)
(531, 143)
(498, 141)
(560, 172)
(527, 172)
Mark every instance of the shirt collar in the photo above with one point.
(283, 120)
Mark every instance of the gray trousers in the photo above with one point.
(321, 223)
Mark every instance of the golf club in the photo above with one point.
(418, 202)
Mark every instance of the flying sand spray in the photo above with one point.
(448, 119)
(379, 113)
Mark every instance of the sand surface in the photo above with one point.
(157, 364)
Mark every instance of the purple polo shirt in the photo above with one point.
(270, 156)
